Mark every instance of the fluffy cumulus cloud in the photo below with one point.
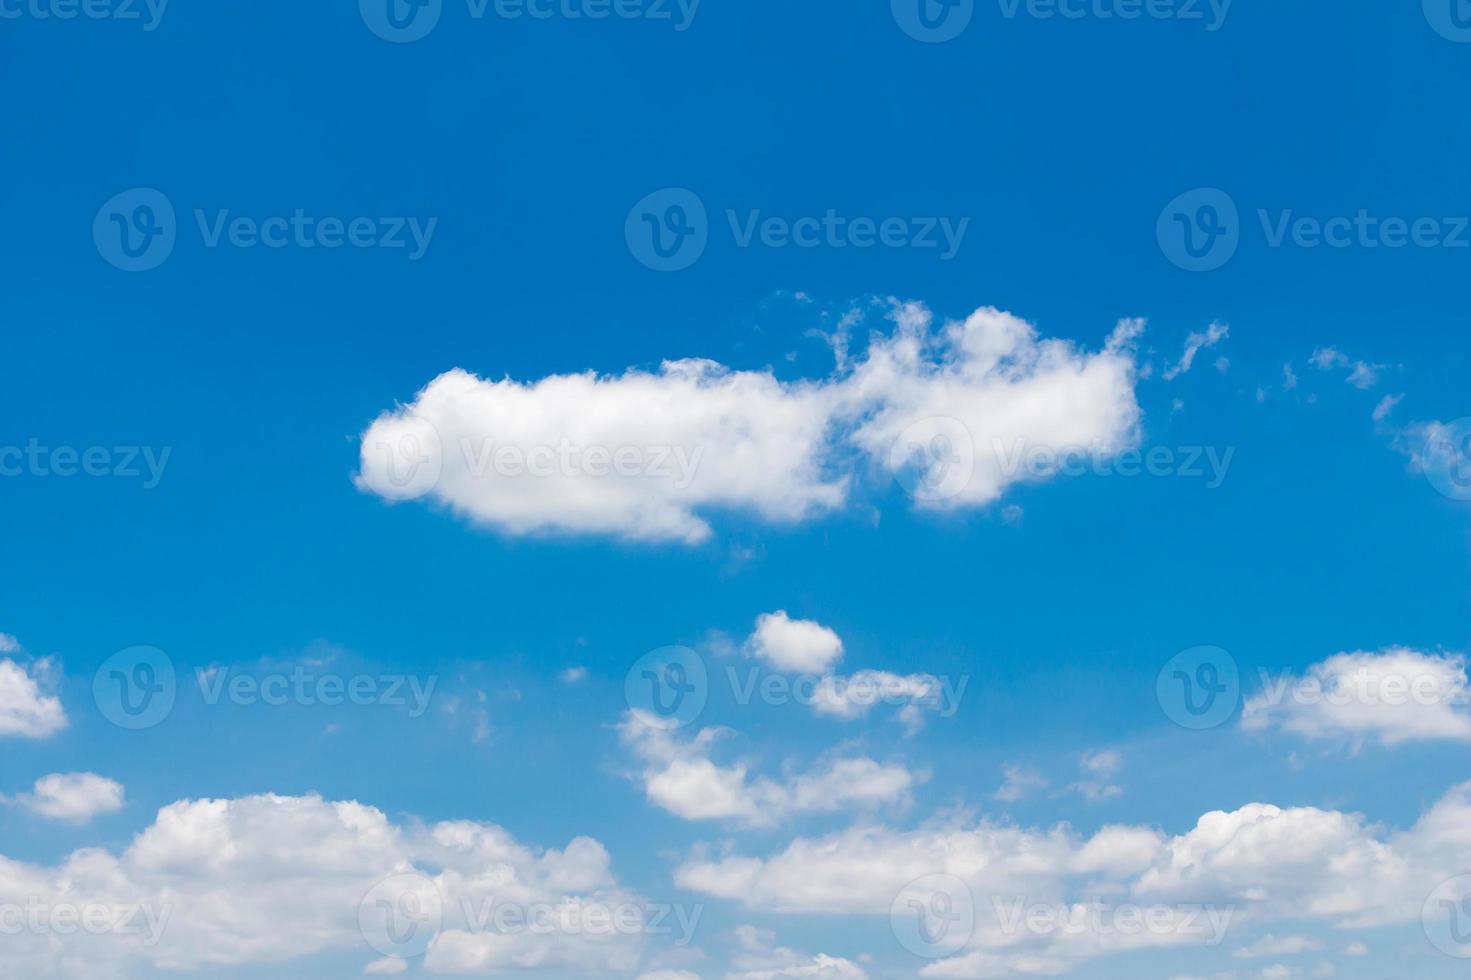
(25, 709)
(1393, 696)
(649, 455)
(1230, 874)
(679, 775)
(75, 797)
(798, 646)
(214, 884)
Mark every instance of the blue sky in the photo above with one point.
(263, 258)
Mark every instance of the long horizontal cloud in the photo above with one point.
(649, 455)
(1263, 863)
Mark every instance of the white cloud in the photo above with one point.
(1396, 695)
(1257, 864)
(573, 675)
(1271, 945)
(759, 961)
(1194, 344)
(24, 709)
(680, 776)
(669, 975)
(387, 966)
(1100, 767)
(9, 644)
(1019, 782)
(1386, 405)
(796, 646)
(1361, 374)
(267, 879)
(75, 797)
(647, 455)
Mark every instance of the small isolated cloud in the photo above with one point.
(1386, 405)
(74, 797)
(1289, 378)
(9, 644)
(1194, 344)
(1396, 695)
(797, 646)
(24, 710)
(1019, 782)
(572, 675)
(1099, 768)
(669, 975)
